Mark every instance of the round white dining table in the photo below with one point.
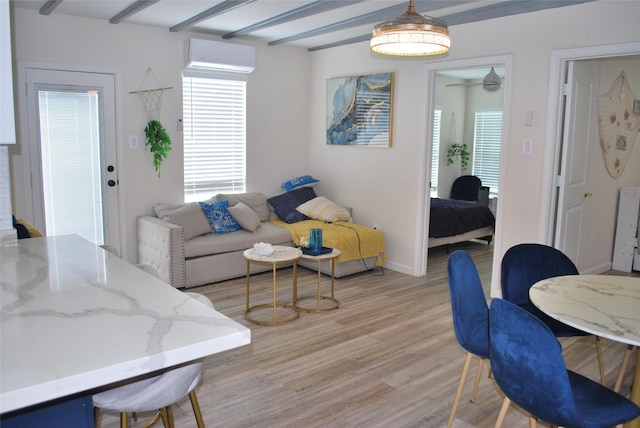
(603, 305)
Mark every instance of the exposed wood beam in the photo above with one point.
(215, 10)
(49, 6)
(135, 7)
(316, 7)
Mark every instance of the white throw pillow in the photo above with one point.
(321, 208)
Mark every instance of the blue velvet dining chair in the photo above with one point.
(528, 366)
(525, 264)
(470, 318)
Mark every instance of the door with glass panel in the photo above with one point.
(74, 179)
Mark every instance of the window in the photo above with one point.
(214, 125)
(487, 140)
(435, 152)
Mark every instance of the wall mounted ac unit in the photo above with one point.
(219, 56)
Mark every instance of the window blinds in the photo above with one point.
(214, 126)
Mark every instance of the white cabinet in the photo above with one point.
(626, 254)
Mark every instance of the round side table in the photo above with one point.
(334, 304)
(281, 255)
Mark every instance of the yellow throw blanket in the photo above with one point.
(353, 240)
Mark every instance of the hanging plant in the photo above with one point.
(158, 142)
(458, 150)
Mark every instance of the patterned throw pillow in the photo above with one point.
(217, 213)
(323, 209)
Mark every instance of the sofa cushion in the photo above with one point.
(254, 200)
(217, 214)
(285, 204)
(245, 216)
(321, 208)
(205, 245)
(189, 216)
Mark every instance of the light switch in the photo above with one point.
(527, 146)
(133, 141)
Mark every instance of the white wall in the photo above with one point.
(287, 112)
(383, 185)
(277, 116)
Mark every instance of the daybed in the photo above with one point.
(184, 244)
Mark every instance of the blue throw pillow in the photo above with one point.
(285, 205)
(217, 214)
(304, 180)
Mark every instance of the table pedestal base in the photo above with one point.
(318, 307)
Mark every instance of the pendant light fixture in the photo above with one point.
(411, 34)
(491, 81)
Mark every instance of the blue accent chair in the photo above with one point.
(527, 364)
(470, 318)
(525, 264)
(466, 188)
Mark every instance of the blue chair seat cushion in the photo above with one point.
(611, 410)
(558, 328)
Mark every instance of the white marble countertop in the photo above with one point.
(604, 305)
(75, 317)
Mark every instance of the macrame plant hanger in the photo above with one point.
(151, 98)
(157, 139)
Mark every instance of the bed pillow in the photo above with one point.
(323, 209)
(217, 213)
(190, 217)
(302, 181)
(285, 204)
(245, 216)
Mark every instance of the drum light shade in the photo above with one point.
(411, 34)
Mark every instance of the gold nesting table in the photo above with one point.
(331, 258)
(280, 256)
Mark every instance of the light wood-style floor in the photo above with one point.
(388, 357)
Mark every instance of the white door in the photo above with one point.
(573, 186)
(72, 145)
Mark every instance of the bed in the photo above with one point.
(453, 221)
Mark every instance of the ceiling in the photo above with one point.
(312, 25)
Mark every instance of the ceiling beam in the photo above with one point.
(507, 8)
(313, 8)
(211, 12)
(133, 8)
(49, 6)
(369, 18)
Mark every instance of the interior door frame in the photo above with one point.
(23, 66)
(424, 202)
(559, 64)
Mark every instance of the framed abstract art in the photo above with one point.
(360, 110)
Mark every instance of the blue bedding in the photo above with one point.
(451, 217)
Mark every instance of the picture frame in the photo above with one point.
(360, 110)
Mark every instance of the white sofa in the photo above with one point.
(186, 253)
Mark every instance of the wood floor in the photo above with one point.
(388, 357)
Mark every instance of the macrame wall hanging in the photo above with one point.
(157, 139)
(618, 125)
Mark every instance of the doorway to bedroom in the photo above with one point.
(470, 115)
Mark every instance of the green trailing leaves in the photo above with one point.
(458, 150)
(158, 142)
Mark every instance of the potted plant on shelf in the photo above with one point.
(458, 150)
(158, 142)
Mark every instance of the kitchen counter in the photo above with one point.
(75, 318)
